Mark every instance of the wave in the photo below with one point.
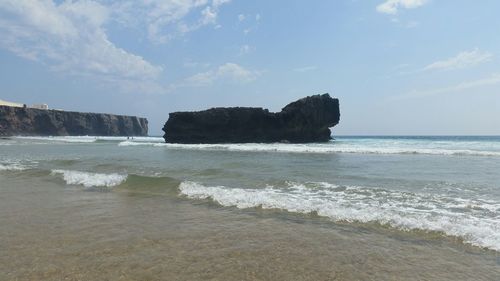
(314, 148)
(13, 167)
(475, 221)
(149, 185)
(142, 143)
(133, 143)
(134, 139)
(87, 139)
(60, 139)
(88, 179)
(357, 146)
(129, 183)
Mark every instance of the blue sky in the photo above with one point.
(398, 66)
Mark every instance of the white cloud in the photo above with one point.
(41, 15)
(241, 17)
(70, 38)
(462, 60)
(165, 20)
(487, 81)
(392, 6)
(91, 13)
(228, 72)
(209, 16)
(257, 17)
(305, 68)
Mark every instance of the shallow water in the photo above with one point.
(117, 209)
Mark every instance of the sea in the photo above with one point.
(355, 208)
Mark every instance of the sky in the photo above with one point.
(398, 67)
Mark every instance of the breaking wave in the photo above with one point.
(87, 139)
(13, 167)
(477, 222)
(90, 179)
(316, 148)
(61, 139)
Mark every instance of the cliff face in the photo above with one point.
(305, 120)
(29, 121)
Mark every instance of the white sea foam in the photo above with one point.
(135, 143)
(318, 148)
(13, 167)
(89, 139)
(61, 139)
(476, 221)
(90, 179)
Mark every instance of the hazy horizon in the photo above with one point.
(398, 67)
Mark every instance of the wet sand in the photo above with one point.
(55, 232)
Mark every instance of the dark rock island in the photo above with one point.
(43, 122)
(305, 120)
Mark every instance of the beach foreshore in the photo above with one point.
(52, 232)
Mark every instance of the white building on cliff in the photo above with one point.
(40, 106)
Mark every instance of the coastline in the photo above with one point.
(135, 235)
(49, 122)
(111, 208)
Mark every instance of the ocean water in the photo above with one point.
(354, 208)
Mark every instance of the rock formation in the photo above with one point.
(305, 120)
(38, 122)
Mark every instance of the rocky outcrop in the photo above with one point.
(305, 120)
(38, 122)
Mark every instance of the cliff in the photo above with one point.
(305, 120)
(29, 122)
